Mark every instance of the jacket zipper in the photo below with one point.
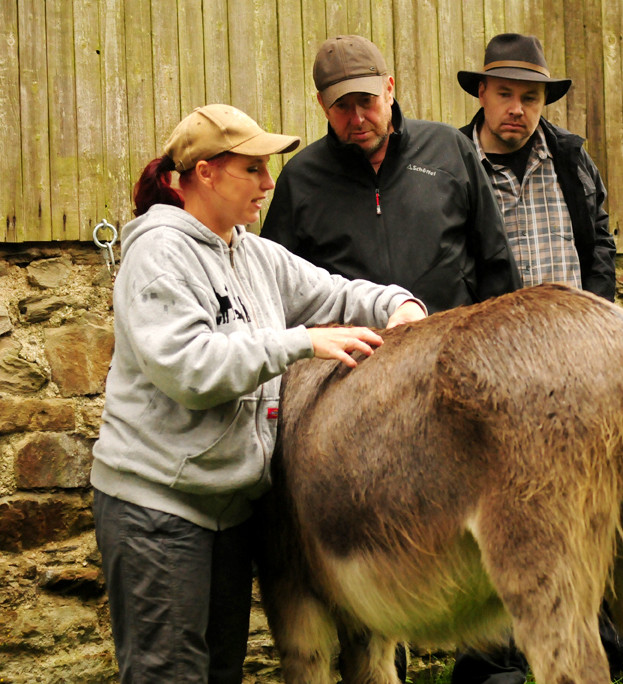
(378, 202)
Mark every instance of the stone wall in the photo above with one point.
(56, 341)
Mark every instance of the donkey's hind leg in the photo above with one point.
(569, 655)
(551, 579)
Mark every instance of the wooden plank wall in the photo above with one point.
(90, 89)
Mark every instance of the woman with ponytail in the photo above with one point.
(207, 319)
(154, 186)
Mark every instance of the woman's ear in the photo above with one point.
(204, 172)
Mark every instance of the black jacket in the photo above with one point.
(428, 221)
(585, 194)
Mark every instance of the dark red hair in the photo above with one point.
(154, 186)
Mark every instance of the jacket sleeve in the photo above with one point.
(311, 296)
(495, 266)
(598, 267)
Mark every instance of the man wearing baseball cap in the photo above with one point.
(549, 191)
(389, 199)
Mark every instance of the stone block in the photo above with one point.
(103, 278)
(73, 580)
(41, 307)
(24, 253)
(21, 415)
(27, 521)
(91, 418)
(49, 273)
(84, 370)
(91, 255)
(53, 459)
(5, 320)
(17, 375)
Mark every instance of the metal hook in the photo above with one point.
(106, 245)
(109, 226)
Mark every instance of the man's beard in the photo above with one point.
(380, 141)
(368, 151)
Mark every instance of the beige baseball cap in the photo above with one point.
(348, 64)
(218, 128)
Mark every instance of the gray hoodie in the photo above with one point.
(203, 332)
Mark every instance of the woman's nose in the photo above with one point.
(267, 181)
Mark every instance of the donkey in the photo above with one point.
(463, 481)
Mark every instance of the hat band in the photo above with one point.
(518, 65)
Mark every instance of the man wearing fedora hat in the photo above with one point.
(551, 196)
(387, 198)
(549, 190)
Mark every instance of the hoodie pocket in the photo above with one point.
(234, 460)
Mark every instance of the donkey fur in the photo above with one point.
(463, 481)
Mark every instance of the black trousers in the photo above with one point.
(503, 666)
(180, 595)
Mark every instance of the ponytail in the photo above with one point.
(154, 186)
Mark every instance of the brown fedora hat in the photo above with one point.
(511, 55)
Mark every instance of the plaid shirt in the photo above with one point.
(536, 217)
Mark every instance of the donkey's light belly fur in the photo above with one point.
(432, 609)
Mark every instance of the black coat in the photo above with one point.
(436, 229)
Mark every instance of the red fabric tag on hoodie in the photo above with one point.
(272, 413)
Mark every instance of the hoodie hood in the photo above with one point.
(173, 217)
